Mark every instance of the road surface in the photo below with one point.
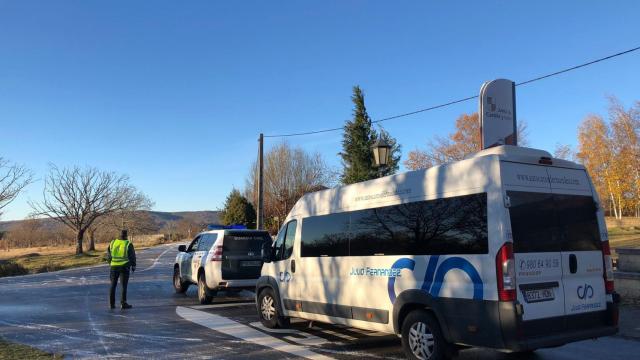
(67, 312)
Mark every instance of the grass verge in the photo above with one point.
(10, 351)
(628, 237)
(35, 263)
(45, 259)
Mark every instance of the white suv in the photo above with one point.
(226, 259)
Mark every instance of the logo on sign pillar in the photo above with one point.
(492, 103)
(497, 113)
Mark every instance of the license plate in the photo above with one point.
(250, 263)
(538, 295)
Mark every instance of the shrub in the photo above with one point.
(10, 268)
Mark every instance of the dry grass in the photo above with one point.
(623, 233)
(623, 238)
(44, 259)
(10, 351)
(625, 222)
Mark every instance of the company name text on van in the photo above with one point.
(368, 271)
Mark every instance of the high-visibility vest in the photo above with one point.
(119, 252)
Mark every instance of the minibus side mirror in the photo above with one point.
(266, 252)
(182, 248)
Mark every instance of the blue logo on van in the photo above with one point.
(584, 292)
(434, 276)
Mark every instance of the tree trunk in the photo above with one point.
(79, 238)
(615, 207)
(92, 241)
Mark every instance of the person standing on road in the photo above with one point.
(122, 257)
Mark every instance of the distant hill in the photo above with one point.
(198, 217)
(161, 218)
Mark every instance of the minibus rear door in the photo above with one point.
(537, 252)
(582, 265)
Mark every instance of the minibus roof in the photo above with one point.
(472, 174)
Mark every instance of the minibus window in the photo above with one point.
(279, 242)
(532, 222)
(325, 235)
(372, 235)
(542, 222)
(455, 225)
(577, 220)
(289, 238)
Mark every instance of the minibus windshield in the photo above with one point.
(543, 222)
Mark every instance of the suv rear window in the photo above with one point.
(244, 241)
(542, 222)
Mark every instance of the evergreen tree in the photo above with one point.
(359, 135)
(238, 210)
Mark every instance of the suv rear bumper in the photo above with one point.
(237, 284)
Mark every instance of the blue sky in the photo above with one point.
(175, 95)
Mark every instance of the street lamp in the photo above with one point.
(381, 151)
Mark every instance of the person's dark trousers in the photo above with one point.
(123, 273)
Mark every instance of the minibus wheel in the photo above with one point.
(269, 310)
(422, 338)
(179, 285)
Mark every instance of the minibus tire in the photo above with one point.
(179, 285)
(269, 310)
(204, 294)
(527, 354)
(419, 329)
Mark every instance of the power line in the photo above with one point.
(578, 66)
(466, 98)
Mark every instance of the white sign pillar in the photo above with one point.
(498, 113)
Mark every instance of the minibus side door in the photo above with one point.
(285, 263)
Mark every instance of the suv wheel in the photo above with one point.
(179, 285)
(422, 338)
(269, 311)
(204, 295)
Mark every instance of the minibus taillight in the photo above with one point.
(506, 273)
(608, 267)
(217, 253)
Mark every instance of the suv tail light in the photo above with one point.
(506, 273)
(217, 253)
(608, 267)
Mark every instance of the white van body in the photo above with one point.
(434, 239)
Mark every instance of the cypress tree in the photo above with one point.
(238, 210)
(357, 139)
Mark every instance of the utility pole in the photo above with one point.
(260, 215)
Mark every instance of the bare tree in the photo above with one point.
(563, 151)
(457, 145)
(76, 197)
(135, 219)
(289, 173)
(13, 178)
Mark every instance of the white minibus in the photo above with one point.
(506, 249)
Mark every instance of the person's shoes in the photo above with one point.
(126, 306)
(112, 306)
